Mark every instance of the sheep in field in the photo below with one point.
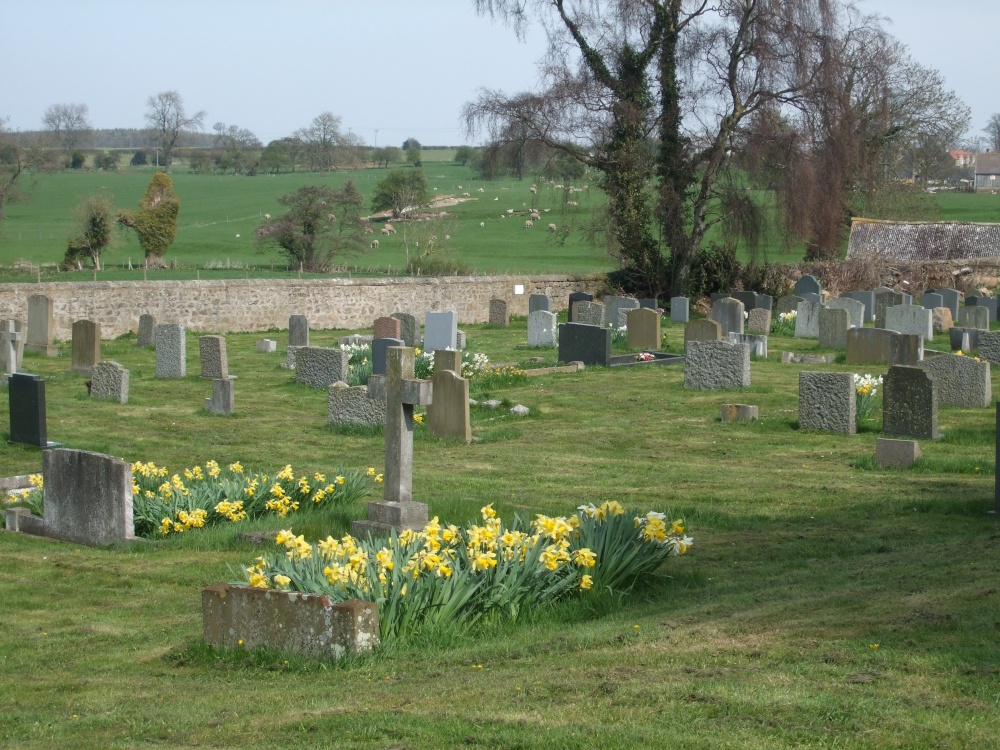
(374, 244)
(391, 228)
(529, 224)
(552, 227)
(385, 231)
(482, 223)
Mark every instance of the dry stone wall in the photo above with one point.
(237, 305)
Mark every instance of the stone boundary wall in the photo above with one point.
(239, 305)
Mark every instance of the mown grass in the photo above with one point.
(826, 603)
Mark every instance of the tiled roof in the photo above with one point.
(988, 163)
(915, 241)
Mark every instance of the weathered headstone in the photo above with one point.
(893, 453)
(906, 349)
(729, 313)
(223, 396)
(749, 299)
(539, 302)
(147, 331)
(171, 351)
(787, 304)
(589, 313)
(86, 346)
(387, 328)
(833, 326)
(613, 307)
(267, 346)
(298, 330)
(808, 284)
(319, 366)
(11, 342)
(910, 319)
(575, 297)
(542, 328)
(88, 497)
(739, 412)
(41, 323)
(827, 401)
(109, 381)
(989, 345)
(759, 321)
(702, 330)
(448, 413)
(807, 320)
(680, 310)
(355, 406)
(409, 329)
(440, 330)
(865, 298)
(643, 326)
(765, 301)
(855, 309)
(757, 343)
(380, 354)
(499, 315)
(716, 365)
(990, 303)
(650, 303)
(212, 353)
(974, 317)
(950, 299)
(884, 300)
(460, 340)
(910, 403)
(960, 381)
(869, 345)
(26, 399)
(579, 342)
(965, 339)
(930, 300)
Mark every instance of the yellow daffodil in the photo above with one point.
(586, 582)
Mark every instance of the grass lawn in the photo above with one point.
(826, 603)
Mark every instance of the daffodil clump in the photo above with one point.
(866, 388)
(446, 575)
(359, 360)
(30, 498)
(784, 324)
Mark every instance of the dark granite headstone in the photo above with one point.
(749, 299)
(765, 301)
(380, 348)
(990, 303)
(930, 300)
(865, 298)
(577, 297)
(584, 343)
(952, 298)
(910, 403)
(27, 410)
(539, 302)
(808, 285)
(651, 302)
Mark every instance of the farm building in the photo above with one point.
(916, 241)
(988, 172)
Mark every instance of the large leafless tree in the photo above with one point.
(168, 121)
(69, 124)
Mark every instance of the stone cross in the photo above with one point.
(9, 339)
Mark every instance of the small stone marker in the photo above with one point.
(974, 317)
(171, 351)
(320, 366)
(716, 365)
(643, 326)
(387, 328)
(26, 398)
(579, 342)
(460, 339)
(960, 381)
(499, 315)
(88, 497)
(575, 297)
(589, 313)
(739, 413)
(542, 328)
(298, 330)
(110, 382)
(147, 331)
(827, 401)
(86, 346)
(41, 323)
(267, 346)
(702, 330)
(910, 403)
(807, 320)
(538, 302)
(380, 349)
(441, 330)
(892, 453)
(448, 414)
(355, 406)
(910, 319)
(808, 284)
(223, 397)
(680, 310)
(759, 321)
(833, 326)
(855, 309)
(212, 353)
(729, 314)
(409, 329)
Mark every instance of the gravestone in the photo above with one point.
(380, 354)
(865, 298)
(728, 312)
(171, 351)
(855, 309)
(579, 342)
(974, 317)
(86, 346)
(575, 297)
(397, 509)
(589, 313)
(614, 307)
(460, 339)
(298, 331)
(26, 400)
(950, 299)
(716, 365)
(11, 343)
(499, 315)
(893, 453)
(869, 345)
(941, 320)
(355, 339)
(787, 304)
(910, 403)
(702, 330)
(808, 284)
(542, 328)
(147, 331)
(960, 381)
(448, 412)
(930, 300)
(650, 303)
(387, 328)
(813, 297)
(409, 329)
(41, 324)
(680, 309)
(910, 319)
(884, 300)
(756, 342)
(988, 345)
(807, 320)
(765, 301)
(319, 366)
(996, 479)
(441, 330)
(827, 401)
(290, 357)
(267, 346)
(740, 412)
(109, 381)
(990, 303)
(964, 339)
(87, 497)
(643, 326)
(223, 397)
(538, 302)
(906, 349)
(212, 353)
(833, 326)
(355, 405)
(759, 321)
(749, 299)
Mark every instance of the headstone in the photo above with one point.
(680, 309)
(538, 302)
(989, 345)
(643, 326)
(147, 331)
(990, 303)
(409, 329)
(910, 319)
(910, 403)
(941, 320)
(950, 299)
(355, 339)
(41, 323)
(290, 356)
(865, 298)
(974, 317)
(739, 412)
(575, 297)
(716, 365)
(589, 313)
(855, 309)
(267, 346)
(109, 381)
(319, 366)
(833, 326)
(759, 321)
(765, 301)
(212, 353)
(893, 453)
(440, 330)
(26, 399)
(906, 349)
(788, 304)
(460, 339)
(702, 330)
(298, 330)
(223, 397)
(808, 284)
(869, 345)
(499, 315)
(729, 314)
(380, 354)
(960, 381)
(579, 342)
(448, 413)
(87, 497)
(613, 307)
(813, 297)
(930, 300)
(749, 299)
(964, 339)
(650, 303)
(387, 328)
(171, 351)
(756, 342)
(827, 401)
(807, 320)
(355, 406)
(86, 346)
(542, 328)
(11, 342)
(397, 509)
(884, 300)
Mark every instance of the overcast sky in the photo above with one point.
(390, 69)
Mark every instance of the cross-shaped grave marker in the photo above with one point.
(10, 338)
(403, 391)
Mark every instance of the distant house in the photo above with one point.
(963, 158)
(916, 241)
(988, 172)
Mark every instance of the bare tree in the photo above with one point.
(18, 162)
(69, 124)
(238, 145)
(167, 122)
(323, 142)
(992, 131)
